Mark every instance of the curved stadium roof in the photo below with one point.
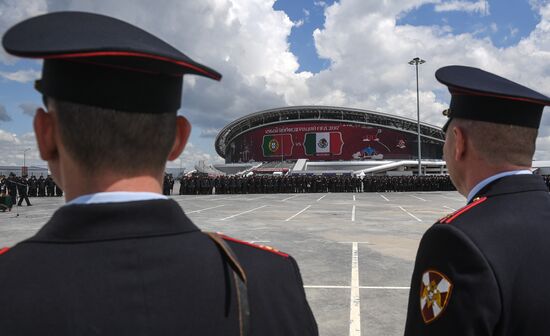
(282, 115)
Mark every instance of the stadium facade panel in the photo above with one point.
(320, 133)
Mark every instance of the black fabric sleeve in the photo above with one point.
(474, 302)
(310, 326)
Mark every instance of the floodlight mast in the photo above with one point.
(416, 61)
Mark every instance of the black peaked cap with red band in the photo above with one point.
(101, 61)
(480, 95)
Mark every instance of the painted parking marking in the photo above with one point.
(289, 198)
(355, 298)
(360, 287)
(244, 212)
(420, 198)
(214, 207)
(353, 214)
(410, 214)
(322, 197)
(384, 197)
(291, 217)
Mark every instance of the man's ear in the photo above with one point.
(460, 143)
(44, 130)
(183, 130)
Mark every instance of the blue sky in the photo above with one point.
(357, 58)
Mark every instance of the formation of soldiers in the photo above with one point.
(23, 187)
(205, 185)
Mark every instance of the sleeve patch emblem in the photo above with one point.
(435, 293)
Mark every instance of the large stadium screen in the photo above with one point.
(322, 142)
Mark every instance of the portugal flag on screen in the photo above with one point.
(323, 143)
(278, 145)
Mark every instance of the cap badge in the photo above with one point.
(435, 292)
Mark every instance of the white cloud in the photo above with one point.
(481, 6)
(209, 132)
(367, 51)
(320, 4)
(538, 4)
(21, 76)
(14, 11)
(13, 147)
(298, 23)
(29, 108)
(4, 116)
(191, 156)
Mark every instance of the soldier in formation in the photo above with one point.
(205, 185)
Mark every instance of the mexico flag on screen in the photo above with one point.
(323, 143)
(277, 145)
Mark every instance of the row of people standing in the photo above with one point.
(205, 185)
(23, 187)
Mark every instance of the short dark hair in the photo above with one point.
(502, 144)
(122, 142)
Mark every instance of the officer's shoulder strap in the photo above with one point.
(239, 276)
(4, 250)
(258, 246)
(451, 217)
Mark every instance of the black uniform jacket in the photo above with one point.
(486, 269)
(142, 268)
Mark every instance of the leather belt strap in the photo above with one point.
(239, 276)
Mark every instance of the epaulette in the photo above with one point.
(4, 250)
(258, 246)
(451, 217)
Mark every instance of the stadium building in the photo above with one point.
(330, 140)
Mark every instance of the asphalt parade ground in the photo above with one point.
(355, 251)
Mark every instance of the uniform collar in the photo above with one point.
(108, 221)
(513, 184)
(490, 179)
(116, 197)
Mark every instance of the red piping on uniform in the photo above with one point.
(254, 245)
(4, 250)
(134, 54)
(457, 91)
(466, 208)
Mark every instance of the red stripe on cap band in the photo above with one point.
(459, 91)
(132, 54)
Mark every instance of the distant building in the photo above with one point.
(19, 170)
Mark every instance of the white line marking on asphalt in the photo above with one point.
(354, 198)
(355, 299)
(360, 287)
(410, 214)
(383, 287)
(353, 214)
(453, 198)
(384, 197)
(353, 243)
(289, 198)
(259, 241)
(328, 287)
(322, 197)
(242, 213)
(420, 198)
(448, 207)
(217, 206)
(304, 209)
(220, 199)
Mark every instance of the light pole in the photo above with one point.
(24, 156)
(416, 61)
